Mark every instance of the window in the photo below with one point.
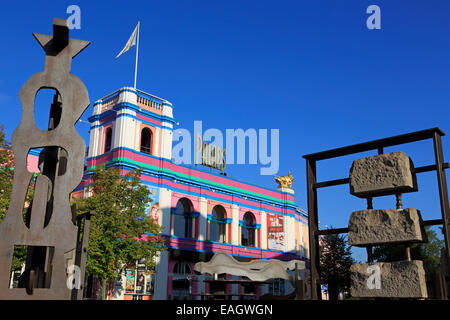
(108, 139)
(182, 268)
(146, 141)
(181, 286)
(217, 224)
(248, 230)
(182, 219)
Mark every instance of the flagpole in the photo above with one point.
(137, 54)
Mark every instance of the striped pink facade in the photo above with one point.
(127, 112)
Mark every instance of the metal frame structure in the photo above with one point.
(312, 185)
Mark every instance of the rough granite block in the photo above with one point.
(383, 174)
(385, 226)
(402, 279)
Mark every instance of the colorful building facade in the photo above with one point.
(201, 212)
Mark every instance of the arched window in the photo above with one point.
(108, 139)
(217, 224)
(182, 222)
(146, 141)
(182, 268)
(248, 230)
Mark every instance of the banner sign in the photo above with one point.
(275, 232)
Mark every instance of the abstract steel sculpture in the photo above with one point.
(256, 269)
(49, 232)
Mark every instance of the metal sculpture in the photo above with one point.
(49, 231)
(256, 269)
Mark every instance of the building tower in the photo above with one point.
(133, 129)
(131, 120)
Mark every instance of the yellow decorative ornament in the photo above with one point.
(284, 181)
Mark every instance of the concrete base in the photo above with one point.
(287, 190)
(402, 279)
(385, 226)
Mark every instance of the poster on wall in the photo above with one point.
(129, 285)
(275, 232)
(140, 281)
(153, 206)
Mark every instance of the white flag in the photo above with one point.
(131, 42)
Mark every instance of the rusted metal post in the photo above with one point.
(443, 193)
(313, 226)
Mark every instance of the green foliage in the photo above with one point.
(19, 257)
(428, 252)
(116, 238)
(6, 183)
(335, 260)
(6, 173)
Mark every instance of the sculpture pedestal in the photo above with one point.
(288, 190)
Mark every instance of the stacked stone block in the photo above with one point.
(385, 174)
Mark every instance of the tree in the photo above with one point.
(428, 252)
(6, 173)
(6, 182)
(335, 262)
(431, 251)
(120, 227)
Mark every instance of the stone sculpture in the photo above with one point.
(386, 174)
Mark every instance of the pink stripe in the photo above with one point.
(262, 206)
(196, 173)
(32, 163)
(108, 118)
(231, 249)
(241, 201)
(148, 119)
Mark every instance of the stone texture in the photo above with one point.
(385, 226)
(402, 279)
(382, 174)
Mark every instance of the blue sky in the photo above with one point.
(311, 69)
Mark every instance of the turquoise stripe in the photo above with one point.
(162, 185)
(188, 167)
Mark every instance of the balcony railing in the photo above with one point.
(110, 102)
(149, 103)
